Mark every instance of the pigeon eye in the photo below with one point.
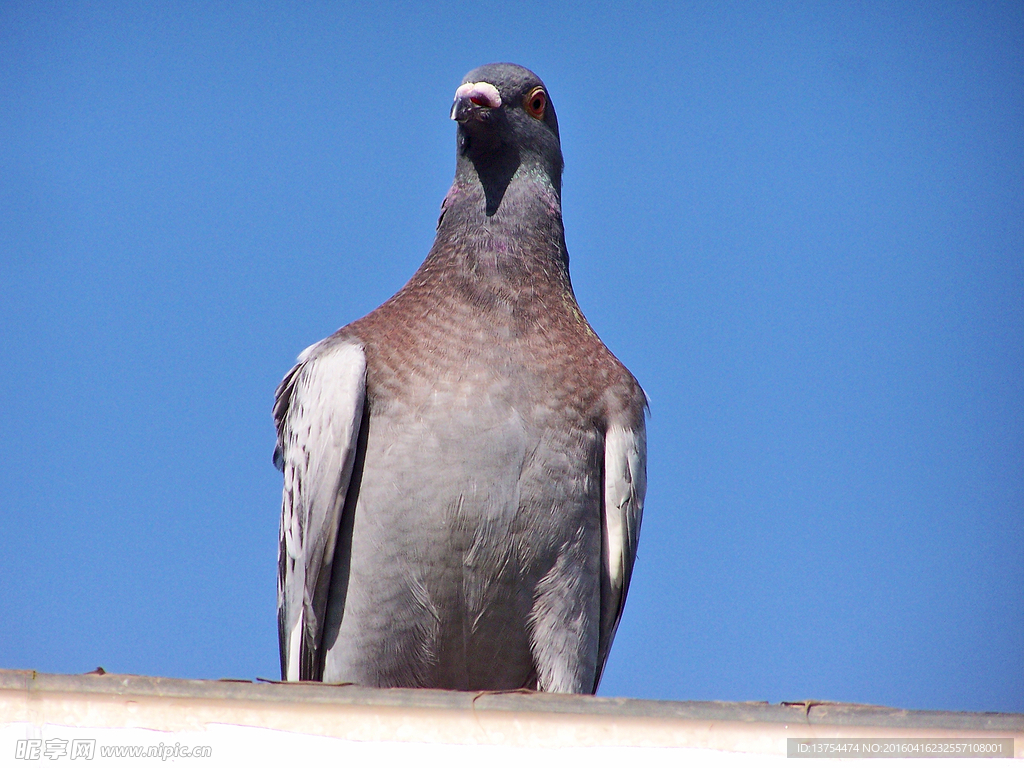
(535, 102)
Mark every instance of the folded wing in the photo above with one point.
(318, 410)
(625, 484)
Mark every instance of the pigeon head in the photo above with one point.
(507, 126)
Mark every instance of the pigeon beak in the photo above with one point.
(474, 100)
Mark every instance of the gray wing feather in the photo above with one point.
(318, 410)
(625, 484)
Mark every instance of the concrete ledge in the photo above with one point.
(111, 704)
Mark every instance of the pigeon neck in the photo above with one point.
(494, 171)
(519, 231)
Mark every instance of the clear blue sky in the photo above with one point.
(800, 225)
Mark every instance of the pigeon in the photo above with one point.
(465, 466)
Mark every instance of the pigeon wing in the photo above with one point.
(625, 484)
(318, 411)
